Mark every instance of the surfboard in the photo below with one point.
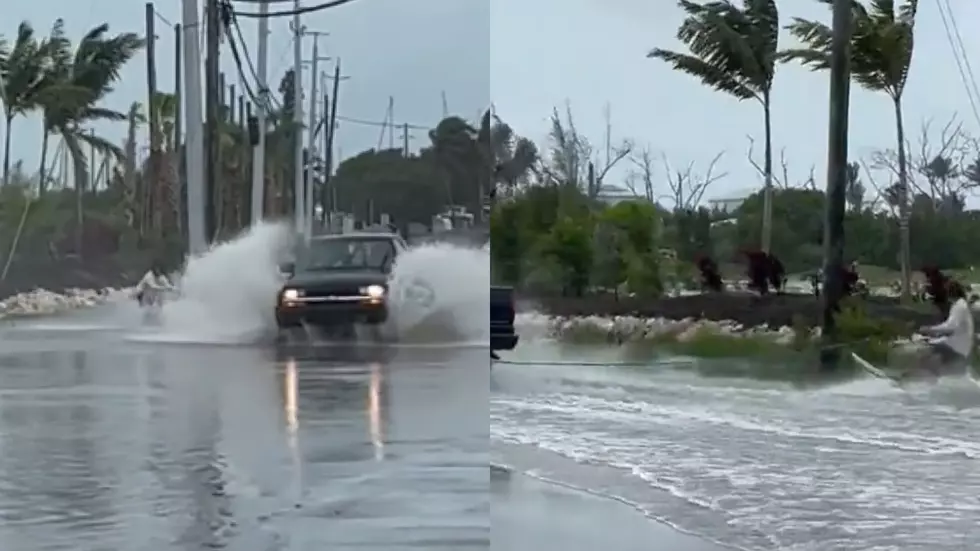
(874, 371)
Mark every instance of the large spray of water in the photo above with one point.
(439, 293)
(229, 293)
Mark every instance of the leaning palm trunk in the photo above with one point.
(6, 150)
(903, 207)
(767, 197)
(42, 171)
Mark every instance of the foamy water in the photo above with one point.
(764, 466)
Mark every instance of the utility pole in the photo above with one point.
(262, 112)
(332, 129)
(445, 106)
(405, 140)
(196, 231)
(298, 196)
(212, 98)
(836, 203)
(311, 144)
(151, 91)
(391, 122)
(178, 159)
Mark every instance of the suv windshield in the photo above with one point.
(347, 254)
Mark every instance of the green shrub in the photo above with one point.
(871, 338)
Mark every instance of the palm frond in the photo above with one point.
(88, 114)
(732, 48)
(23, 71)
(710, 75)
(882, 44)
(98, 143)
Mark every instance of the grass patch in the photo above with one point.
(794, 359)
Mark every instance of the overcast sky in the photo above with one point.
(530, 56)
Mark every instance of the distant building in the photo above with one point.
(731, 202)
(615, 194)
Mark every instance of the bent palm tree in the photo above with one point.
(21, 70)
(733, 50)
(509, 158)
(882, 43)
(89, 72)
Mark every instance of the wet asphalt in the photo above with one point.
(107, 444)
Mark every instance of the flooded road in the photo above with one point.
(107, 444)
(760, 465)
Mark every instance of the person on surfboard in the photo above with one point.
(951, 342)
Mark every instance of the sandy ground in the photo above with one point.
(527, 515)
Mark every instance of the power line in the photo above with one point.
(286, 13)
(381, 124)
(245, 78)
(160, 16)
(962, 65)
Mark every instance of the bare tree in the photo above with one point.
(782, 179)
(687, 187)
(642, 174)
(573, 159)
(939, 169)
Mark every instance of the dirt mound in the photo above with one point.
(746, 308)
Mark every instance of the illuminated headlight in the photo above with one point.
(291, 294)
(373, 291)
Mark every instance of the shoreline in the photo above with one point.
(530, 512)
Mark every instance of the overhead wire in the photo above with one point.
(286, 13)
(239, 50)
(963, 66)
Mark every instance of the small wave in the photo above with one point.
(636, 506)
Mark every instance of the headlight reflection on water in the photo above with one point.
(374, 412)
(291, 411)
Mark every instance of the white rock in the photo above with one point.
(42, 301)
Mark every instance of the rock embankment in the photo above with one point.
(742, 309)
(42, 301)
(624, 329)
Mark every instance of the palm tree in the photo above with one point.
(510, 158)
(76, 81)
(882, 43)
(21, 70)
(456, 153)
(733, 49)
(4, 56)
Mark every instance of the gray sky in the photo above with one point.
(528, 57)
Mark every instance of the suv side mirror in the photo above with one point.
(287, 268)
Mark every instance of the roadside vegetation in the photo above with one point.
(94, 206)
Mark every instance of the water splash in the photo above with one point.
(441, 292)
(229, 293)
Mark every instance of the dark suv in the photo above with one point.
(338, 281)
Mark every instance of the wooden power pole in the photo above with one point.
(212, 117)
(836, 201)
(150, 191)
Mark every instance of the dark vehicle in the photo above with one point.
(338, 281)
(502, 335)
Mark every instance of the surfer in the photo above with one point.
(150, 289)
(951, 342)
